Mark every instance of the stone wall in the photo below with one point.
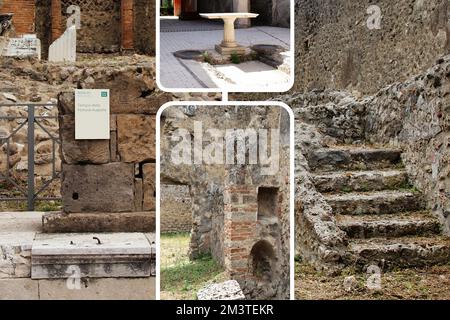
(100, 25)
(144, 26)
(335, 49)
(111, 180)
(412, 116)
(217, 227)
(415, 116)
(176, 208)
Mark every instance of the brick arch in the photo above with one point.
(262, 260)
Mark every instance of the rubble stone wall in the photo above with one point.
(211, 207)
(176, 208)
(335, 48)
(412, 116)
(415, 116)
(100, 25)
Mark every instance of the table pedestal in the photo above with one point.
(229, 45)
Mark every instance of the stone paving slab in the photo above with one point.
(20, 221)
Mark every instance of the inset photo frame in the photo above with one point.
(225, 201)
(225, 46)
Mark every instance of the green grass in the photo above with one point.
(180, 277)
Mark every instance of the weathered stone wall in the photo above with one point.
(115, 176)
(214, 228)
(144, 26)
(176, 208)
(412, 116)
(100, 25)
(335, 49)
(415, 116)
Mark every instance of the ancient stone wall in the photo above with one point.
(176, 208)
(415, 116)
(411, 116)
(115, 177)
(223, 216)
(100, 25)
(144, 26)
(335, 48)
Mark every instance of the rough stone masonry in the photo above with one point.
(109, 185)
(240, 216)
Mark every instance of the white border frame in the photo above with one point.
(291, 179)
(158, 64)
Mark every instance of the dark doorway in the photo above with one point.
(265, 10)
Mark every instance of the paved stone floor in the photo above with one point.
(179, 74)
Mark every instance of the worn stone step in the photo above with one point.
(351, 181)
(327, 160)
(379, 202)
(390, 226)
(89, 255)
(407, 252)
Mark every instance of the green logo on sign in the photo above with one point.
(104, 94)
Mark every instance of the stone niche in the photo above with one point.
(109, 185)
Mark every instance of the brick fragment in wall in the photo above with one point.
(81, 151)
(138, 194)
(149, 177)
(98, 188)
(136, 137)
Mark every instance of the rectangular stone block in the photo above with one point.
(57, 222)
(136, 137)
(81, 151)
(88, 255)
(149, 186)
(99, 289)
(98, 188)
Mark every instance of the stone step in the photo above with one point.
(379, 202)
(103, 255)
(407, 252)
(390, 226)
(327, 160)
(362, 181)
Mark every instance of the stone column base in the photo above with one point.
(226, 51)
(60, 222)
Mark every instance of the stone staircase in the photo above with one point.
(384, 217)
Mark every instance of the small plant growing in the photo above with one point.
(235, 58)
(206, 57)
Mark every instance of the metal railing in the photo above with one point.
(29, 193)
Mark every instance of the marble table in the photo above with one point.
(229, 44)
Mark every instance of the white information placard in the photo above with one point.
(92, 114)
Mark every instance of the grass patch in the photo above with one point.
(180, 277)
